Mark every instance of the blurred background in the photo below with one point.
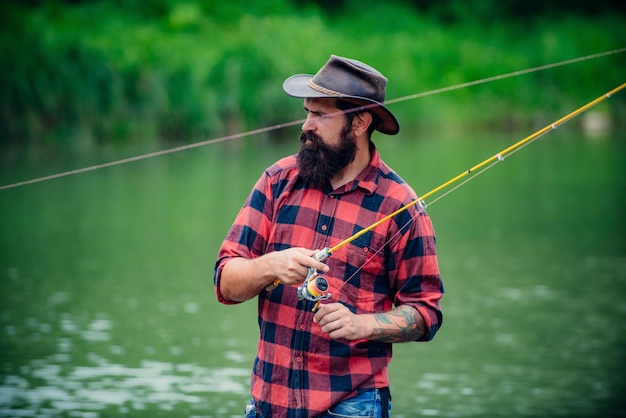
(107, 305)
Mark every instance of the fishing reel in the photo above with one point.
(313, 289)
(314, 285)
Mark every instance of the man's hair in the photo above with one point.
(346, 105)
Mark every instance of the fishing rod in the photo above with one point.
(314, 288)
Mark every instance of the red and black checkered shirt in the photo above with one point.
(299, 371)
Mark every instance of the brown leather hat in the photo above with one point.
(350, 80)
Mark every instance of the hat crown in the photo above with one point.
(349, 77)
(350, 80)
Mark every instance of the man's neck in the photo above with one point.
(352, 170)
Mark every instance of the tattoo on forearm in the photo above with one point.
(401, 324)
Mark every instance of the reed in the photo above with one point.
(101, 73)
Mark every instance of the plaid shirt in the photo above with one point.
(299, 371)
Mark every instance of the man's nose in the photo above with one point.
(309, 123)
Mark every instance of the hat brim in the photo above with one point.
(298, 86)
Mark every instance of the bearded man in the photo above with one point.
(332, 359)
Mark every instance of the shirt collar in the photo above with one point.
(367, 179)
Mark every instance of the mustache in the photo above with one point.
(310, 136)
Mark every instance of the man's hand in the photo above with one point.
(242, 279)
(291, 266)
(338, 322)
(400, 324)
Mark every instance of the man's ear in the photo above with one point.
(361, 123)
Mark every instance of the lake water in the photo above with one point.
(107, 306)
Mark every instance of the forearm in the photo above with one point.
(242, 279)
(401, 324)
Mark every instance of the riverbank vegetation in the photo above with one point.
(163, 70)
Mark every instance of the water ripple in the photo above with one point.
(104, 384)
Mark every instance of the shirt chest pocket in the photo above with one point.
(365, 279)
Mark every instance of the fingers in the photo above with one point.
(291, 266)
(310, 261)
(293, 271)
(328, 312)
(337, 321)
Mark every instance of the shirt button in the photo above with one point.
(324, 227)
(302, 327)
(298, 359)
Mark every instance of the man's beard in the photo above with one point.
(318, 162)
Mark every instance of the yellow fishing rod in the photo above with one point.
(314, 285)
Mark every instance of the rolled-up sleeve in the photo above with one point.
(248, 236)
(416, 273)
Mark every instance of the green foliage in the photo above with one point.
(183, 71)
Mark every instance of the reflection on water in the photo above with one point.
(58, 386)
(93, 388)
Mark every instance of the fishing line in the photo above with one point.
(481, 171)
(471, 174)
(152, 154)
(507, 75)
(424, 204)
(299, 122)
(499, 156)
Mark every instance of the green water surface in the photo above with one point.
(107, 306)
